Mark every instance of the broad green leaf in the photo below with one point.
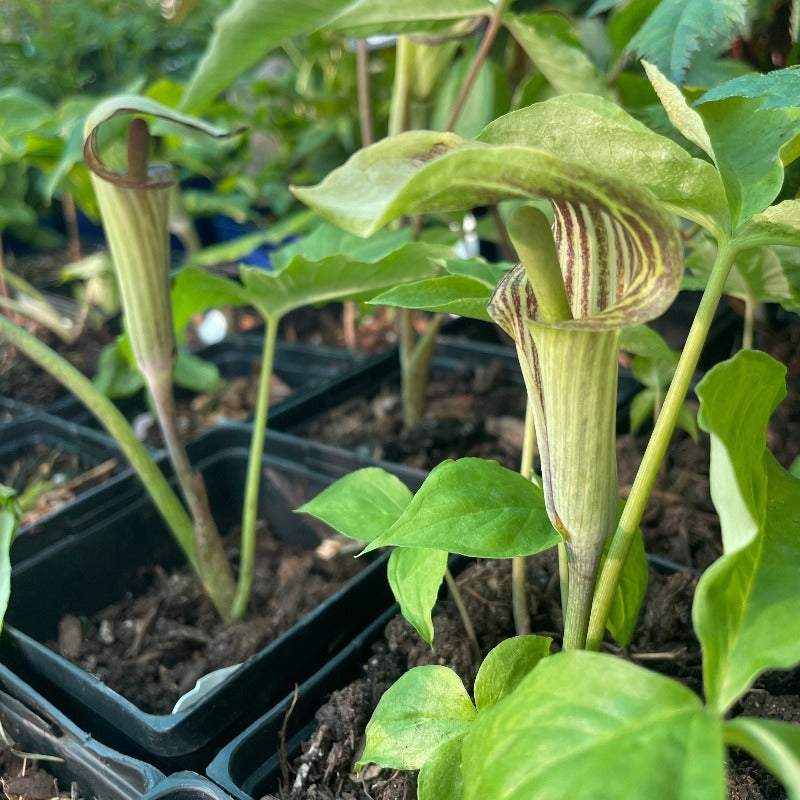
(751, 148)
(367, 17)
(116, 374)
(449, 293)
(589, 725)
(474, 507)
(774, 743)
(759, 275)
(245, 32)
(423, 709)
(328, 240)
(777, 89)
(440, 776)
(340, 277)
(642, 409)
(506, 665)
(415, 576)
(238, 248)
(745, 609)
(195, 290)
(489, 273)
(778, 224)
(674, 33)
(794, 467)
(552, 44)
(680, 113)
(630, 593)
(23, 113)
(362, 504)
(689, 186)
(9, 522)
(642, 340)
(195, 373)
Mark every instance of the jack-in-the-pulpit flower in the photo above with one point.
(619, 268)
(134, 206)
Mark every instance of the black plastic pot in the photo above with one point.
(79, 570)
(186, 786)
(304, 368)
(453, 354)
(91, 447)
(36, 726)
(249, 766)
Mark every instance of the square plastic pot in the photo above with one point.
(81, 570)
(35, 726)
(186, 786)
(35, 429)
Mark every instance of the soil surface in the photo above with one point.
(152, 648)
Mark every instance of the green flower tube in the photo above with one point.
(135, 221)
(612, 274)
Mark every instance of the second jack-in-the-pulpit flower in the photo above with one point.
(600, 268)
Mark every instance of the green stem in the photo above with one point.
(213, 566)
(401, 89)
(519, 604)
(415, 361)
(583, 563)
(657, 446)
(165, 500)
(749, 323)
(253, 480)
(464, 614)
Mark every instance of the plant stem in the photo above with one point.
(583, 565)
(415, 361)
(488, 38)
(749, 323)
(213, 566)
(165, 500)
(519, 605)
(364, 107)
(253, 480)
(628, 525)
(464, 614)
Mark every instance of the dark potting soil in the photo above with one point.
(153, 647)
(24, 381)
(475, 413)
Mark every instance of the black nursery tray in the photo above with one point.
(304, 368)
(35, 431)
(35, 726)
(452, 355)
(249, 766)
(120, 532)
